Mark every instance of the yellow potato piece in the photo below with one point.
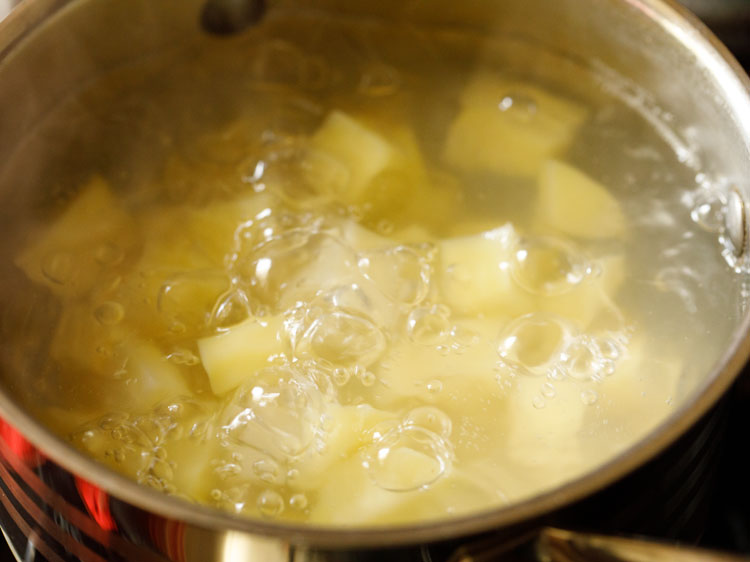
(231, 357)
(544, 431)
(464, 377)
(350, 428)
(591, 297)
(640, 384)
(196, 237)
(346, 155)
(475, 277)
(73, 253)
(572, 203)
(509, 127)
(194, 473)
(350, 497)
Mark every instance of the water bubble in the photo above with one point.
(367, 378)
(298, 502)
(435, 386)
(279, 62)
(463, 337)
(294, 266)
(402, 273)
(589, 396)
(362, 297)
(341, 376)
(548, 390)
(709, 209)
(538, 402)
(430, 418)
(58, 267)
(267, 470)
(292, 476)
(548, 266)
(109, 313)
(428, 325)
(270, 503)
(182, 356)
(581, 360)
(520, 106)
(532, 344)
(344, 339)
(379, 80)
(276, 414)
(109, 254)
(609, 347)
(408, 458)
(231, 308)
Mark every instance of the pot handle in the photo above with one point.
(558, 545)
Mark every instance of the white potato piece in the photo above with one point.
(229, 358)
(572, 203)
(70, 255)
(509, 127)
(475, 277)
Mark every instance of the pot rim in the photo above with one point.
(710, 52)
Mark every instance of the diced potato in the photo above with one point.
(194, 470)
(377, 167)
(70, 255)
(475, 277)
(457, 380)
(81, 341)
(350, 497)
(543, 432)
(572, 203)
(129, 371)
(594, 295)
(350, 428)
(346, 156)
(362, 238)
(640, 384)
(155, 377)
(509, 127)
(231, 357)
(190, 237)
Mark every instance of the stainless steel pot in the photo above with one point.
(70, 507)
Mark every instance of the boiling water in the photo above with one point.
(384, 391)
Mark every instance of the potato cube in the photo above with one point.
(350, 428)
(92, 234)
(572, 203)
(509, 127)
(346, 156)
(591, 297)
(351, 497)
(229, 358)
(544, 431)
(640, 384)
(474, 274)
